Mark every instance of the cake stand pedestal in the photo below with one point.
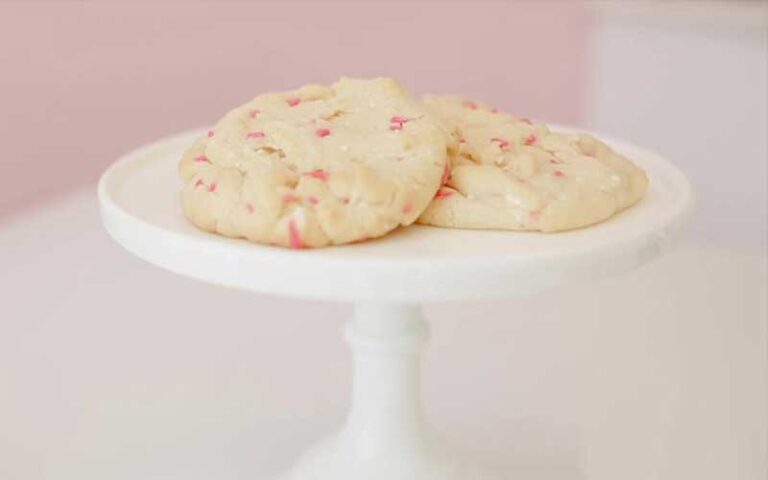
(386, 436)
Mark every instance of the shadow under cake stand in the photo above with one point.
(385, 436)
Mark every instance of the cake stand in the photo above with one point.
(386, 436)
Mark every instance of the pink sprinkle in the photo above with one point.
(407, 208)
(443, 193)
(494, 110)
(470, 105)
(397, 122)
(462, 140)
(530, 139)
(202, 159)
(535, 214)
(446, 173)
(249, 208)
(199, 182)
(255, 135)
(210, 133)
(526, 120)
(293, 231)
(292, 102)
(212, 187)
(318, 174)
(289, 198)
(313, 200)
(559, 173)
(554, 161)
(503, 144)
(254, 113)
(322, 132)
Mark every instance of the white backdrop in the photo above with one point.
(694, 88)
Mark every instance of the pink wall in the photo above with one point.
(80, 84)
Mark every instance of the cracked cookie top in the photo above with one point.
(316, 166)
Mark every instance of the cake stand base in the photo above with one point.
(386, 436)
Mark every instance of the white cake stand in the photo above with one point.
(385, 436)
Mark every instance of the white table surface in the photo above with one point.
(657, 374)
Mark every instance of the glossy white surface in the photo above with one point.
(140, 207)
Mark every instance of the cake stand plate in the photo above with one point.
(385, 436)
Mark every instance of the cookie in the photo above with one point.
(316, 166)
(511, 173)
